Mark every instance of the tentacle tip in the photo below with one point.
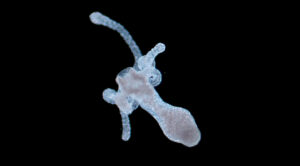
(161, 47)
(96, 18)
(125, 138)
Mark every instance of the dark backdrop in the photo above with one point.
(71, 61)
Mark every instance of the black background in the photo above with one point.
(206, 68)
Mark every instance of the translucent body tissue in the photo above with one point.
(136, 88)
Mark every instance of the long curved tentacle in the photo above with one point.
(100, 19)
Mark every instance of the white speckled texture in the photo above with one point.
(136, 88)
